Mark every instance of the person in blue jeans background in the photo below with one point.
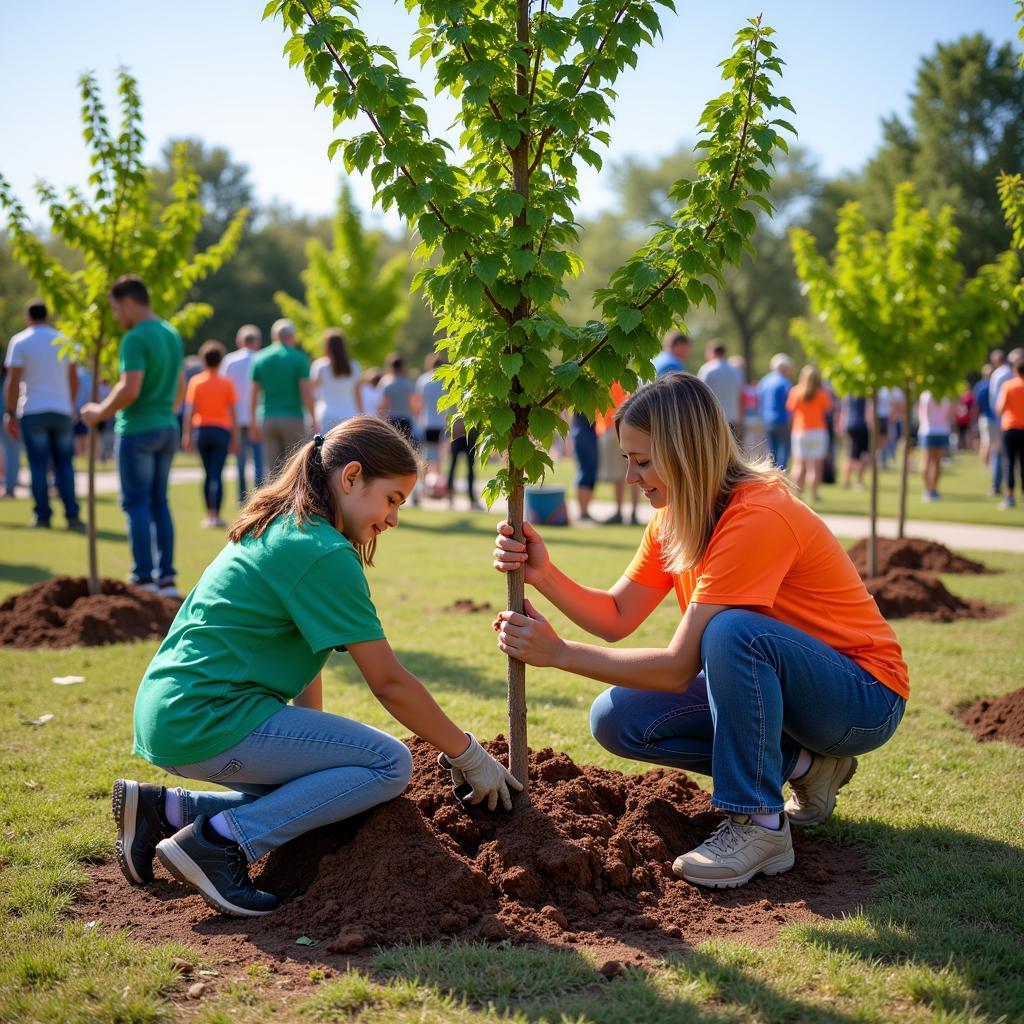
(255, 633)
(584, 449)
(772, 391)
(40, 391)
(782, 669)
(143, 402)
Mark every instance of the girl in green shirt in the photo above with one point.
(253, 635)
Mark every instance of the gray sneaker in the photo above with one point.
(735, 852)
(814, 793)
(219, 873)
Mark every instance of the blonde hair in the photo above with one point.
(302, 489)
(808, 384)
(694, 451)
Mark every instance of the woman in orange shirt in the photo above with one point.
(782, 667)
(1010, 407)
(808, 404)
(210, 426)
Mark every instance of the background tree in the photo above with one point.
(906, 298)
(346, 287)
(121, 228)
(535, 87)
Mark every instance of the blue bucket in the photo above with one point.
(545, 506)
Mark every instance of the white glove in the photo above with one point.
(488, 777)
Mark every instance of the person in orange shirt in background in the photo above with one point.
(809, 403)
(1010, 409)
(781, 668)
(210, 426)
(613, 465)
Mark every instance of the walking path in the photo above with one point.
(955, 535)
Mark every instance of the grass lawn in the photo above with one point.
(964, 487)
(936, 815)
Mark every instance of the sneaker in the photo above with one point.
(219, 873)
(1008, 502)
(149, 587)
(141, 824)
(614, 520)
(217, 523)
(735, 852)
(169, 588)
(76, 525)
(814, 793)
(35, 523)
(634, 519)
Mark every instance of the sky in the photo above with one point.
(211, 69)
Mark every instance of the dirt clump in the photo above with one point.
(913, 553)
(468, 606)
(586, 865)
(60, 612)
(999, 718)
(911, 594)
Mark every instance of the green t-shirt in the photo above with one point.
(257, 628)
(155, 348)
(278, 370)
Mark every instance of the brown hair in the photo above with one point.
(694, 451)
(211, 352)
(808, 384)
(130, 286)
(302, 489)
(337, 352)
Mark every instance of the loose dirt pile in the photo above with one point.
(61, 613)
(468, 606)
(909, 594)
(913, 553)
(1001, 718)
(587, 863)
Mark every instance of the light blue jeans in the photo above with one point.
(766, 690)
(297, 771)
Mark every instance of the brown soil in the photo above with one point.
(913, 553)
(1001, 718)
(910, 594)
(468, 606)
(587, 864)
(60, 613)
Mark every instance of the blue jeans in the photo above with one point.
(777, 436)
(213, 443)
(12, 461)
(49, 440)
(996, 455)
(245, 446)
(297, 771)
(766, 690)
(144, 464)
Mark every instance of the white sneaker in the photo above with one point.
(735, 852)
(150, 588)
(168, 590)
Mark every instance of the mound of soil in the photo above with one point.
(910, 594)
(61, 613)
(1001, 718)
(468, 606)
(586, 863)
(913, 553)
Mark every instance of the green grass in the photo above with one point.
(936, 815)
(964, 487)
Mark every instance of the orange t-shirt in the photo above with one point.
(809, 414)
(1011, 404)
(771, 553)
(212, 398)
(605, 421)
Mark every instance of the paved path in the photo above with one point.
(955, 535)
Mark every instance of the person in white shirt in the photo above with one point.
(726, 382)
(39, 400)
(335, 379)
(433, 422)
(235, 367)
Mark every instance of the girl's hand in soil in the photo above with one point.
(529, 637)
(511, 554)
(489, 778)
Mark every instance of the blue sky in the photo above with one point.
(211, 68)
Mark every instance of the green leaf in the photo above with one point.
(628, 319)
(511, 363)
(521, 451)
(522, 261)
(566, 374)
(502, 419)
(487, 269)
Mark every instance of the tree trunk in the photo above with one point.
(518, 760)
(94, 569)
(873, 515)
(905, 463)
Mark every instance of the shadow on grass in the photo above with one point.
(554, 536)
(25, 575)
(58, 532)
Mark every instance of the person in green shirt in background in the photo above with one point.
(143, 403)
(287, 590)
(280, 389)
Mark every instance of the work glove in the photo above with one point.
(477, 776)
